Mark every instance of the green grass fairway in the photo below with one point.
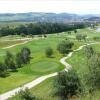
(15, 80)
(40, 64)
(44, 90)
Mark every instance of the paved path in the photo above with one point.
(15, 45)
(15, 39)
(26, 40)
(42, 78)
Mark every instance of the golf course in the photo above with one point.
(41, 65)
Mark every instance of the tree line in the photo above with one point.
(13, 62)
(40, 28)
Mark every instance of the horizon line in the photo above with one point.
(49, 12)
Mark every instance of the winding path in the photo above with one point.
(35, 82)
(26, 40)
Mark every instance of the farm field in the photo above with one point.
(40, 64)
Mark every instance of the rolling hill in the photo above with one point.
(46, 17)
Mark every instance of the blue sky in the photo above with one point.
(57, 6)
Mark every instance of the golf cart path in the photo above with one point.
(15, 45)
(35, 82)
(27, 40)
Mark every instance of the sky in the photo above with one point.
(56, 6)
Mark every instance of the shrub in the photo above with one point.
(79, 37)
(9, 61)
(25, 55)
(96, 38)
(89, 51)
(3, 70)
(64, 46)
(26, 95)
(19, 61)
(66, 85)
(75, 31)
(49, 52)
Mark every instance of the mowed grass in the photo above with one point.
(42, 91)
(40, 64)
(78, 61)
(15, 80)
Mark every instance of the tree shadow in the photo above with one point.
(52, 57)
(14, 71)
(5, 75)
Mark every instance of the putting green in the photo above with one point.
(45, 65)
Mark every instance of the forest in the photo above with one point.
(40, 28)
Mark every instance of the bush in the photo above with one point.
(25, 55)
(9, 61)
(26, 95)
(64, 46)
(96, 38)
(19, 60)
(79, 37)
(66, 85)
(75, 31)
(3, 70)
(49, 52)
(89, 52)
